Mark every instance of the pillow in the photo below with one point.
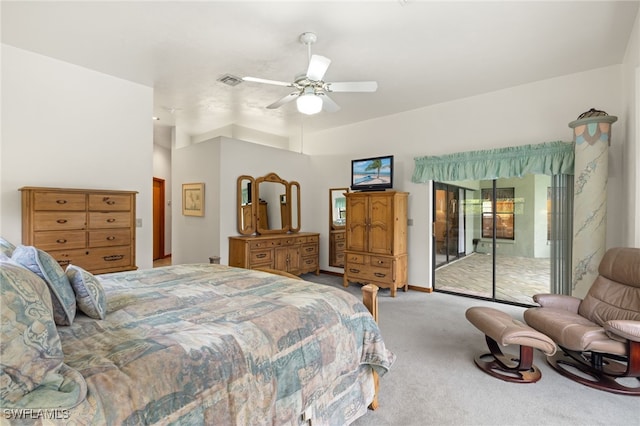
(90, 297)
(6, 247)
(46, 267)
(33, 374)
(31, 347)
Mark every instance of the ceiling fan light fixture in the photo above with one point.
(309, 103)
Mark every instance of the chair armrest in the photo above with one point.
(627, 329)
(559, 301)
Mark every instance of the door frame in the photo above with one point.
(159, 201)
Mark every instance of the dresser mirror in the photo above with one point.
(337, 222)
(246, 207)
(337, 208)
(267, 205)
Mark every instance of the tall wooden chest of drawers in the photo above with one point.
(93, 229)
(295, 253)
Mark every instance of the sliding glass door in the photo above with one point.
(502, 238)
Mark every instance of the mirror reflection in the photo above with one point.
(337, 207)
(294, 206)
(271, 206)
(337, 228)
(246, 208)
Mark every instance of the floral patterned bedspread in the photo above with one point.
(211, 344)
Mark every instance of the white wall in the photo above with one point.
(67, 126)
(218, 162)
(195, 238)
(527, 114)
(244, 158)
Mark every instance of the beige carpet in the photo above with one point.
(435, 382)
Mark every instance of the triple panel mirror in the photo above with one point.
(267, 205)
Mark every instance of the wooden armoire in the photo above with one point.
(376, 239)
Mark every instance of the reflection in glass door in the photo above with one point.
(507, 251)
(448, 225)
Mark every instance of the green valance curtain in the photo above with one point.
(549, 158)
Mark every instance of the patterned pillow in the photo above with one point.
(6, 247)
(31, 347)
(90, 296)
(46, 267)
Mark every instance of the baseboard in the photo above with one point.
(337, 274)
(421, 289)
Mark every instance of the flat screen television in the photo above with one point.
(372, 174)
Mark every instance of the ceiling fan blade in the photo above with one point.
(265, 81)
(328, 104)
(317, 67)
(277, 104)
(353, 86)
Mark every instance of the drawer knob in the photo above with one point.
(355, 271)
(61, 201)
(61, 220)
(111, 220)
(61, 241)
(108, 201)
(111, 238)
(261, 255)
(379, 275)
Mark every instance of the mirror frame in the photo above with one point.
(273, 178)
(287, 205)
(332, 224)
(292, 206)
(252, 227)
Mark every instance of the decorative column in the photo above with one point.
(592, 136)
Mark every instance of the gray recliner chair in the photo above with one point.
(600, 334)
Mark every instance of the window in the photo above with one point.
(504, 212)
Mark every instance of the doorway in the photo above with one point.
(158, 218)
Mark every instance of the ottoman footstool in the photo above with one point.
(502, 330)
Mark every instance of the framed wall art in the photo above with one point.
(193, 199)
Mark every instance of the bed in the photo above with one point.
(188, 344)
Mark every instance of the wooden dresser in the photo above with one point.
(295, 253)
(93, 229)
(376, 240)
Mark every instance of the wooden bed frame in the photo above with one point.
(369, 299)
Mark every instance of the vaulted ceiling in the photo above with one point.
(420, 52)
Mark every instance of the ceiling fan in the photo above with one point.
(311, 91)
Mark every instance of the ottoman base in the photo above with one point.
(502, 330)
(509, 367)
